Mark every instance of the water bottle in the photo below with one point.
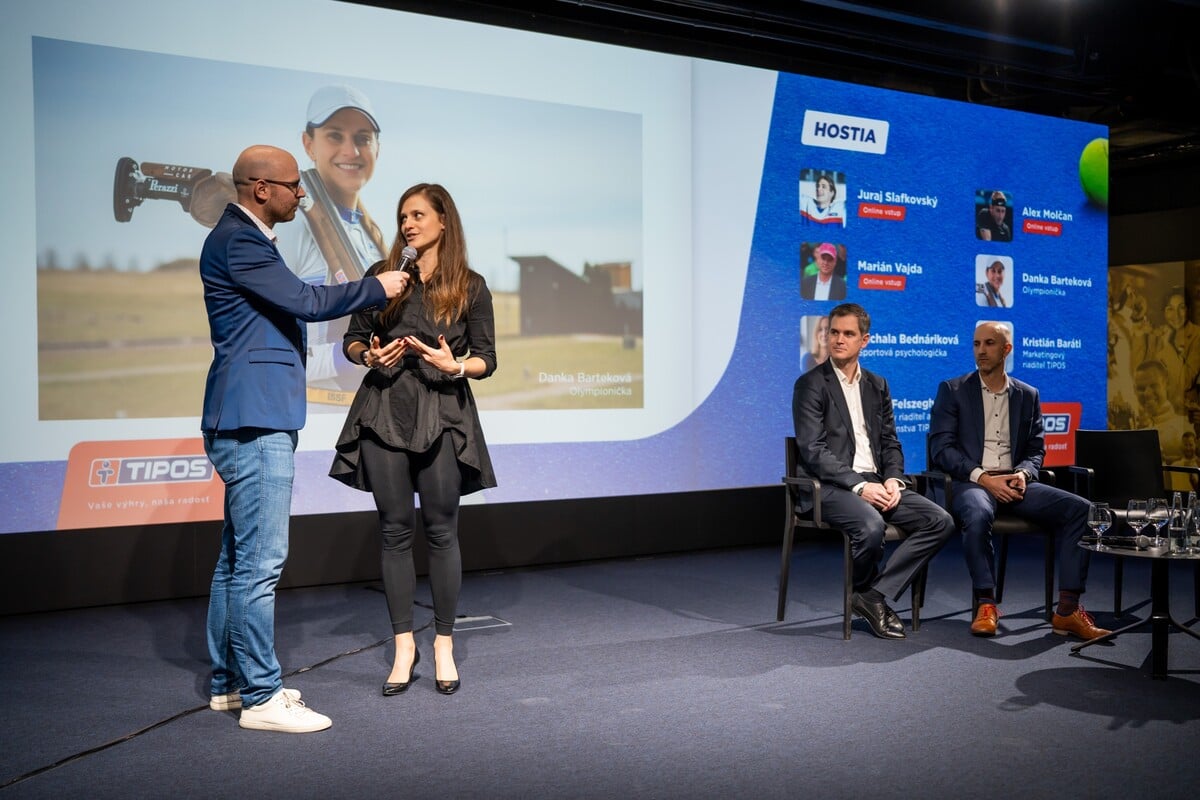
(1176, 526)
(1191, 528)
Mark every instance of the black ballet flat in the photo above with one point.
(392, 689)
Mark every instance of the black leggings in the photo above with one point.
(395, 476)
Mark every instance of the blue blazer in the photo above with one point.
(255, 306)
(956, 427)
(825, 434)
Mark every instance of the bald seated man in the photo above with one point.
(254, 406)
(986, 433)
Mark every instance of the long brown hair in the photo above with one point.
(446, 291)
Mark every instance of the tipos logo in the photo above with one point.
(1056, 424)
(842, 132)
(159, 469)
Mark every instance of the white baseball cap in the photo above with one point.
(328, 100)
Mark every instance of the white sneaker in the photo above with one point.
(233, 700)
(284, 714)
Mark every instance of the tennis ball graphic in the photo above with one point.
(1093, 171)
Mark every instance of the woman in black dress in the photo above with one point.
(413, 428)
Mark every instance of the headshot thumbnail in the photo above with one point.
(822, 197)
(814, 341)
(994, 281)
(822, 271)
(993, 215)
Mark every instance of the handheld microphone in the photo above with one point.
(408, 263)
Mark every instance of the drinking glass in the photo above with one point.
(1136, 517)
(1158, 511)
(1099, 520)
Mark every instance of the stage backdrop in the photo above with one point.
(646, 223)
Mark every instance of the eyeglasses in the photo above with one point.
(292, 186)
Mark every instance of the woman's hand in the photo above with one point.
(388, 356)
(440, 357)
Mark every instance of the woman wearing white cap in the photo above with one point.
(337, 239)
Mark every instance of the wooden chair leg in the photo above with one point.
(1001, 567)
(784, 565)
(847, 585)
(1048, 559)
(918, 598)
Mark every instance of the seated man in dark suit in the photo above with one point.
(847, 440)
(986, 433)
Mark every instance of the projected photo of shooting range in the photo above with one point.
(550, 196)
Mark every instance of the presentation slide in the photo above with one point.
(661, 249)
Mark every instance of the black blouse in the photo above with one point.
(410, 405)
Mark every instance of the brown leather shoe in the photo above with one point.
(985, 620)
(1079, 623)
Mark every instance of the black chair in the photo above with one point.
(798, 485)
(1003, 526)
(1116, 466)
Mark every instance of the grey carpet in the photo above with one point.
(662, 677)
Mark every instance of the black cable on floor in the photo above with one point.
(62, 762)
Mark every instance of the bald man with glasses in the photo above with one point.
(254, 407)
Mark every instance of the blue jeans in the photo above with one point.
(1062, 512)
(257, 467)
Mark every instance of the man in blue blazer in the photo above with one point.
(846, 435)
(985, 432)
(254, 404)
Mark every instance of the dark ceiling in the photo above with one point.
(1133, 65)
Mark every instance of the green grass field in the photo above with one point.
(135, 345)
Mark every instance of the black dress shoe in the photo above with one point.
(390, 689)
(876, 614)
(445, 687)
(893, 620)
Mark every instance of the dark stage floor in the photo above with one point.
(661, 677)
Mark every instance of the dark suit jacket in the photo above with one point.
(825, 434)
(956, 427)
(255, 305)
(837, 291)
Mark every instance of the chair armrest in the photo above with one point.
(929, 479)
(1047, 477)
(925, 480)
(1084, 475)
(797, 484)
(1183, 470)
